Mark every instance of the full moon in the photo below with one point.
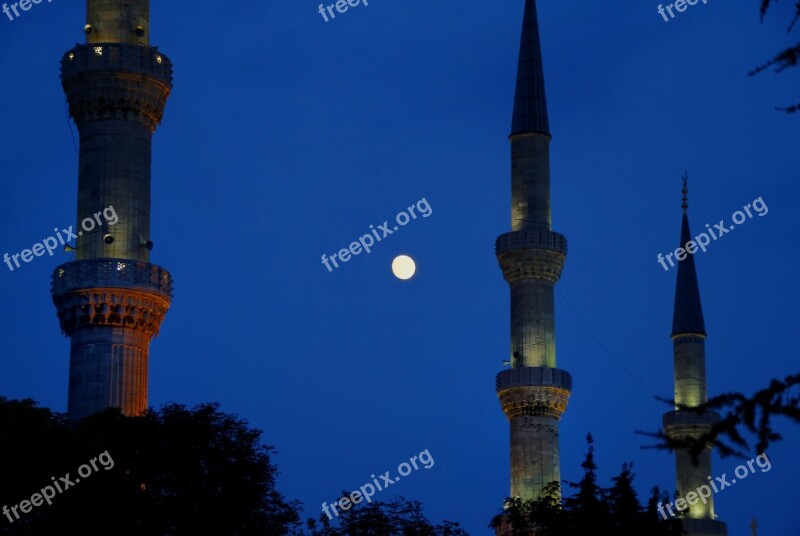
(403, 267)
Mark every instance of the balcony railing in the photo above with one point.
(122, 273)
(104, 57)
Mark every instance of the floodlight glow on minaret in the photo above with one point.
(533, 392)
(111, 300)
(689, 348)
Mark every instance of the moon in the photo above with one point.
(403, 267)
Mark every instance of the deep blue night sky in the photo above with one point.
(286, 137)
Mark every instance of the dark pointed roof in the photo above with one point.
(688, 316)
(530, 106)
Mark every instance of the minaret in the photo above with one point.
(111, 300)
(532, 392)
(688, 340)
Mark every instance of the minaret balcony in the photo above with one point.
(116, 81)
(531, 239)
(537, 391)
(681, 424)
(704, 527)
(117, 293)
(116, 57)
(531, 254)
(124, 273)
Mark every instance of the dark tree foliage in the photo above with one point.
(740, 414)
(613, 511)
(587, 504)
(176, 471)
(788, 57)
(396, 518)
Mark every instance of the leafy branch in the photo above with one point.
(738, 414)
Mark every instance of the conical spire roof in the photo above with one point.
(530, 106)
(688, 315)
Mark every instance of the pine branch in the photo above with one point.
(739, 414)
(786, 59)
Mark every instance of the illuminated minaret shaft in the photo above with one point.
(688, 340)
(111, 300)
(533, 393)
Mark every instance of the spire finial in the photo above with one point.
(685, 191)
(754, 526)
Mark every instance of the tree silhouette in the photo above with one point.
(614, 511)
(174, 471)
(786, 58)
(586, 507)
(395, 518)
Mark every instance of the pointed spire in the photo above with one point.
(688, 315)
(530, 106)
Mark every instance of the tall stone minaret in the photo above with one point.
(111, 300)
(532, 392)
(689, 348)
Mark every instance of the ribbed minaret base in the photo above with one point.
(107, 374)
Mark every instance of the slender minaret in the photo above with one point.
(688, 339)
(533, 393)
(111, 300)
